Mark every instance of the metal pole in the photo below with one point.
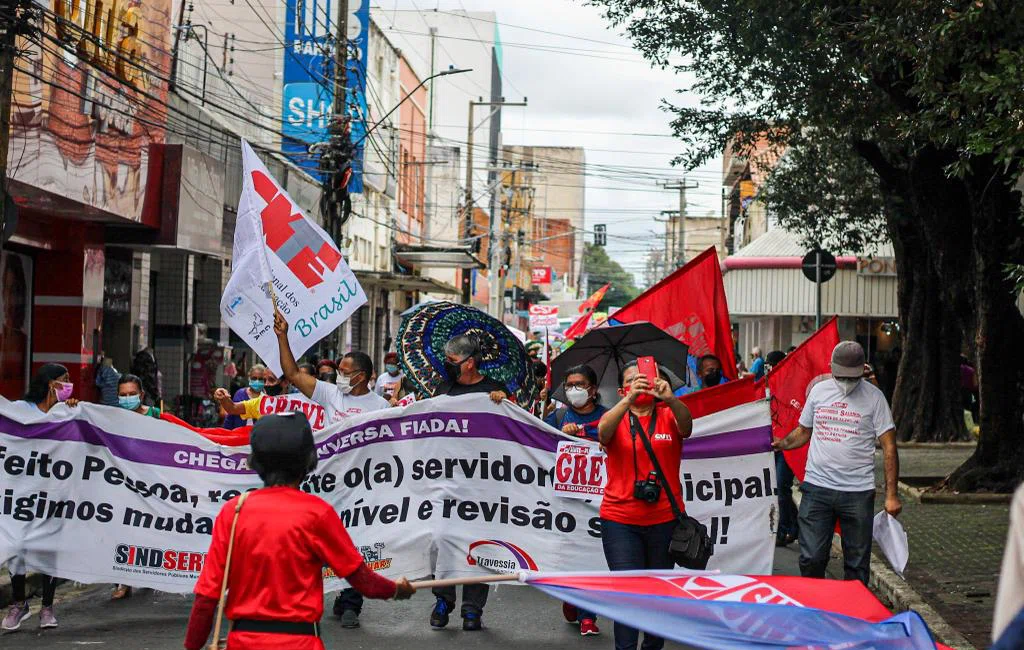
(341, 62)
(430, 110)
(681, 259)
(817, 285)
(497, 249)
(467, 226)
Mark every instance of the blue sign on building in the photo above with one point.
(308, 93)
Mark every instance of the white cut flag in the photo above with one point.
(892, 539)
(276, 244)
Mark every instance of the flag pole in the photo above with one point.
(454, 582)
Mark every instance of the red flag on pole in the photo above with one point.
(579, 328)
(690, 305)
(591, 303)
(790, 381)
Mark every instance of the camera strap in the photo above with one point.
(637, 430)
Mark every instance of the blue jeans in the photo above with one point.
(628, 547)
(787, 507)
(820, 509)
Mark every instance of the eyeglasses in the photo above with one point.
(583, 385)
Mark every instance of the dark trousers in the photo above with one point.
(18, 594)
(820, 509)
(349, 599)
(474, 597)
(627, 548)
(787, 506)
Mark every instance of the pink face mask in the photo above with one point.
(64, 391)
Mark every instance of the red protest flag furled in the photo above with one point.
(790, 381)
(591, 303)
(579, 328)
(690, 305)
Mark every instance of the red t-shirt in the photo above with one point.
(283, 539)
(618, 504)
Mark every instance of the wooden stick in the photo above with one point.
(454, 582)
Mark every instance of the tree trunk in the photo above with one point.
(998, 463)
(927, 405)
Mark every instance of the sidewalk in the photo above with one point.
(955, 549)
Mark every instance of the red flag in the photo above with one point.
(579, 328)
(591, 303)
(229, 437)
(791, 380)
(690, 305)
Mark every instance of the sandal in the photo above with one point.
(121, 592)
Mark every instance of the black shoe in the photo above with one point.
(472, 622)
(439, 615)
(349, 619)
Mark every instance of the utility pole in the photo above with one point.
(9, 30)
(497, 302)
(677, 253)
(467, 216)
(338, 130)
(430, 109)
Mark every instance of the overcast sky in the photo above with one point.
(581, 99)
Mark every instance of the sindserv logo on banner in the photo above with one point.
(156, 561)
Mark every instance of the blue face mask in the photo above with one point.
(256, 385)
(130, 402)
(391, 368)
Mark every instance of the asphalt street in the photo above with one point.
(516, 618)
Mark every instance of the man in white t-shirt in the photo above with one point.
(842, 419)
(349, 395)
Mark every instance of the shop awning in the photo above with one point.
(399, 282)
(457, 257)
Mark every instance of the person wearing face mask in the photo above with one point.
(390, 383)
(579, 419)
(842, 418)
(248, 410)
(637, 519)
(462, 364)
(327, 370)
(257, 384)
(709, 374)
(50, 387)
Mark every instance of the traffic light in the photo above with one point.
(521, 238)
(600, 235)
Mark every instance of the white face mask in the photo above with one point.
(846, 384)
(577, 396)
(344, 384)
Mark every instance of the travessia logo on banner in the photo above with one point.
(308, 92)
(454, 486)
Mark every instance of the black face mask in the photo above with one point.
(329, 377)
(713, 378)
(453, 370)
(274, 390)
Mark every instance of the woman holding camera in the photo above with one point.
(636, 517)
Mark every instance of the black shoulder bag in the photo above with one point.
(691, 546)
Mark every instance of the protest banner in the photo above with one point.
(450, 486)
(281, 254)
(543, 317)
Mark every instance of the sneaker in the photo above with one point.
(588, 627)
(349, 619)
(16, 615)
(472, 622)
(439, 616)
(46, 618)
(571, 613)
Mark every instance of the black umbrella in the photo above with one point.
(607, 349)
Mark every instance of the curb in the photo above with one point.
(898, 593)
(927, 496)
(910, 492)
(956, 444)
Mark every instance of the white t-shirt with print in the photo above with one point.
(339, 405)
(388, 383)
(843, 433)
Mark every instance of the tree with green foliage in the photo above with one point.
(921, 101)
(601, 270)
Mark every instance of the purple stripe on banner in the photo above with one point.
(168, 454)
(733, 443)
(489, 426)
(150, 452)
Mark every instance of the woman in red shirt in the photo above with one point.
(283, 539)
(636, 517)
